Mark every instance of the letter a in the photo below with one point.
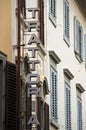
(33, 120)
(33, 39)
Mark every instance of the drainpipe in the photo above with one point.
(18, 70)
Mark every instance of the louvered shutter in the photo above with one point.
(41, 19)
(82, 45)
(68, 108)
(85, 49)
(11, 97)
(23, 7)
(76, 35)
(66, 19)
(54, 94)
(39, 111)
(28, 109)
(79, 115)
(46, 116)
(53, 8)
(68, 22)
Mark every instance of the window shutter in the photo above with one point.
(68, 109)
(23, 7)
(79, 115)
(66, 19)
(28, 109)
(68, 22)
(85, 48)
(11, 97)
(46, 115)
(82, 45)
(54, 94)
(41, 19)
(76, 35)
(39, 111)
(53, 8)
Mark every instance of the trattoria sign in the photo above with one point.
(33, 77)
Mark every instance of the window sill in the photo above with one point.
(67, 41)
(78, 57)
(52, 19)
(54, 123)
(42, 49)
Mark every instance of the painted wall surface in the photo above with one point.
(5, 27)
(55, 41)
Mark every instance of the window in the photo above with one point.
(53, 11)
(22, 7)
(85, 48)
(67, 107)
(2, 88)
(68, 76)
(41, 19)
(66, 21)
(78, 39)
(53, 79)
(11, 97)
(42, 114)
(79, 90)
(79, 113)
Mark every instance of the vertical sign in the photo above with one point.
(33, 77)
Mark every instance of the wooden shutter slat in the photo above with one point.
(10, 100)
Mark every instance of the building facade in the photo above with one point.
(66, 41)
(49, 92)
